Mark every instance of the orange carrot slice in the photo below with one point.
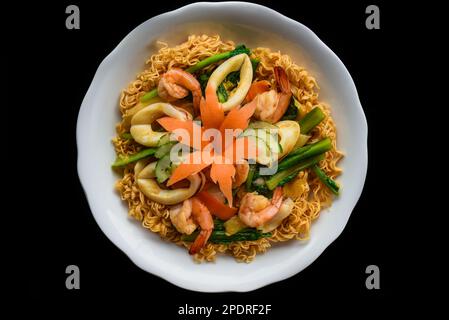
(216, 207)
(190, 167)
(223, 174)
(192, 130)
(211, 110)
(238, 118)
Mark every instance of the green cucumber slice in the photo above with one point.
(164, 140)
(264, 155)
(265, 135)
(163, 168)
(164, 149)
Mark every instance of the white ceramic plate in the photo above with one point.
(253, 25)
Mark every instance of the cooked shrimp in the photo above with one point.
(176, 83)
(256, 210)
(241, 173)
(181, 217)
(204, 218)
(256, 88)
(271, 105)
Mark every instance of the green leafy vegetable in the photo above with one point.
(292, 111)
(202, 79)
(219, 225)
(255, 64)
(222, 94)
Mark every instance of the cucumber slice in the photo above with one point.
(164, 140)
(164, 149)
(271, 140)
(264, 155)
(261, 125)
(163, 168)
(265, 135)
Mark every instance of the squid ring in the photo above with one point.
(141, 129)
(146, 180)
(239, 62)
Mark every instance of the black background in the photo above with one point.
(52, 70)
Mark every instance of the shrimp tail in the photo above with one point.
(282, 79)
(204, 219)
(284, 96)
(200, 241)
(277, 197)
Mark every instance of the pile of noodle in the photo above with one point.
(307, 191)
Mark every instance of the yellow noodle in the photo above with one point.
(313, 195)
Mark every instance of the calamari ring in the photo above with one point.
(239, 62)
(141, 122)
(146, 180)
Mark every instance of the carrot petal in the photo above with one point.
(223, 174)
(238, 118)
(196, 162)
(211, 110)
(191, 130)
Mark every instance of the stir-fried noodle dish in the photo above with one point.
(225, 149)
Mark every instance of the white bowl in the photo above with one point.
(253, 25)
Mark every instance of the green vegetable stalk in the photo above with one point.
(219, 236)
(328, 181)
(218, 57)
(282, 177)
(123, 161)
(311, 119)
(126, 135)
(305, 152)
(249, 179)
